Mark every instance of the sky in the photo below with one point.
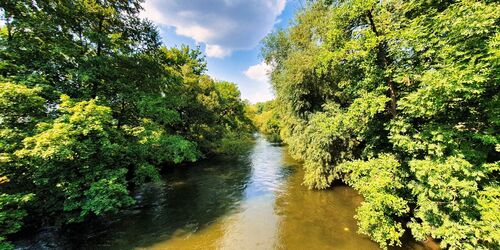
(228, 32)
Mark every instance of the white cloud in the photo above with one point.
(261, 96)
(216, 51)
(222, 25)
(259, 73)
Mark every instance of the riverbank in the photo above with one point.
(256, 201)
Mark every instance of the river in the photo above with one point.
(253, 202)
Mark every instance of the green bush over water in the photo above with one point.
(92, 104)
(400, 100)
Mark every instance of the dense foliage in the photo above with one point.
(265, 116)
(400, 100)
(92, 104)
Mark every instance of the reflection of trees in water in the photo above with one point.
(191, 199)
(321, 219)
(316, 219)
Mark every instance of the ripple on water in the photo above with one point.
(255, 202)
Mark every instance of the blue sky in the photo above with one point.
(228, 32)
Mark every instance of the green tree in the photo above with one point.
(385, 93)
(20, 109)
(267, 120)
(71, 163)
(92, 105)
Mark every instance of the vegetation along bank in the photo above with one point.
(400, 100)
(92, 105)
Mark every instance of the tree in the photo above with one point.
(20, 109)
(406, 90)
(92, 105)
(267, 120)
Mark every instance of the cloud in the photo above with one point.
(260, 96)
(222, 25)
(217, 51)
(259, 73)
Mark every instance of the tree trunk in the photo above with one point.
(383, 61)
(8, 25)
(98, 54)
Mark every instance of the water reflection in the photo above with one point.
(252, 225)
(191, 199)
(318, 219)
(256, 202)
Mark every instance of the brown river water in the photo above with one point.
(254, 202)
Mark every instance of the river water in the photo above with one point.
(254, 202)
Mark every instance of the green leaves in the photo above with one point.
(19, 105)
(266, 118)
(92, 105)
(156, 146)
(357, 80)
(71, 154)
(107, 195)
(381, 181)
(334, 135)
(450, 204)
(11, 212)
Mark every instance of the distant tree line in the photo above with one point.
(265, 117)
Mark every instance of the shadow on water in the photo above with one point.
(189, 199)
(321, 219)
(255, 202)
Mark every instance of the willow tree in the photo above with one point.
(400, 100)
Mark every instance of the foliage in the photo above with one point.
(234, 144)
(400, 100)
(381, 181)
(72, 160)
(92, 105)
(11, 214)
(451, 205)
(265, 116)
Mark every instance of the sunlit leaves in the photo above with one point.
(19, 105)
(356, 80)
(334, 135)
(381, 181)
(451, 205)
(267, 119)
(91, 105)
